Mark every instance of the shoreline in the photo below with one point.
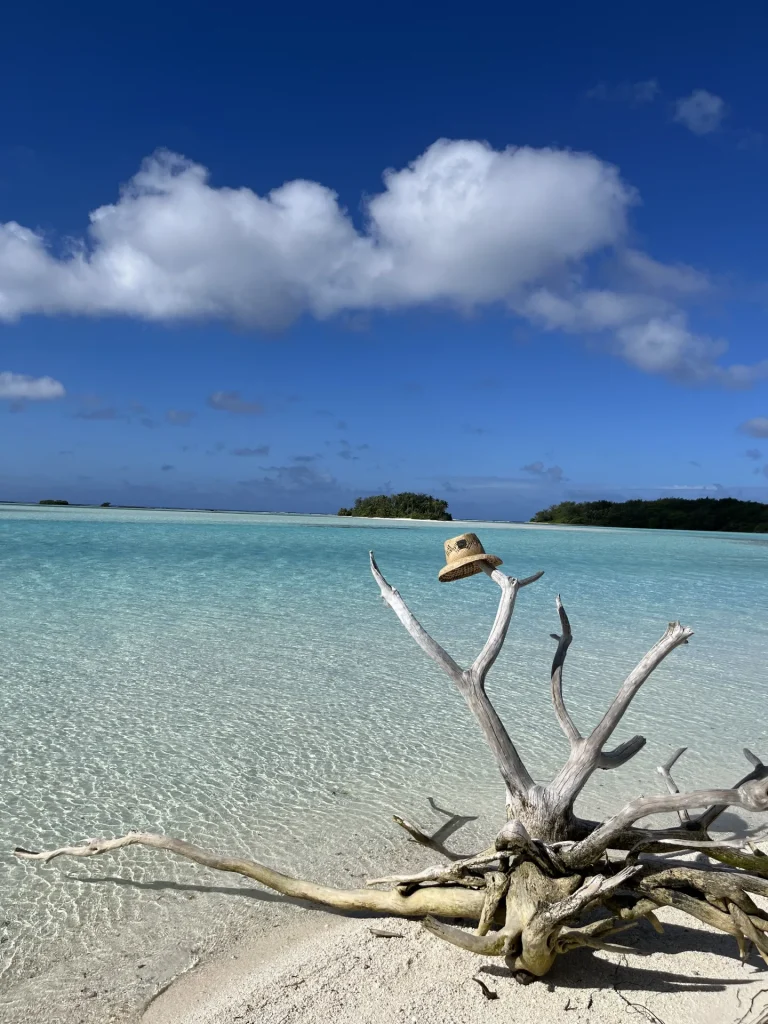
(312, 970)
(283, 961)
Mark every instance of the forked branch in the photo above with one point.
(608, 759)
(587, 755)
(674, 636)
(471, 682)
(509, 590)
(665, 771)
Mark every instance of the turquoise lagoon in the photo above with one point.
(236, 679)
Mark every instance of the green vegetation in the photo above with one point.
(400, 506)
(53, 501)
(728, 514)
(105, 504)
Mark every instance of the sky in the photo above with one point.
(278, 259)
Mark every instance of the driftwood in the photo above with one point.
(549, 882)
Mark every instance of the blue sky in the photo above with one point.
(267, 260)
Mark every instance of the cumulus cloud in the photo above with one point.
(251, 452)
(179, 417)
(756, 427)
(754, 453)
(647, 331)
(230, 401)
(22, 387)
(553, 473)
(702, 112)
(664, 344)
(463, 225)
(571, 309)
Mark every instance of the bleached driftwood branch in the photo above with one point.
(471, 683)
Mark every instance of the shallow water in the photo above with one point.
(236, 680)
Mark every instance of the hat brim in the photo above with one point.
(468, 566)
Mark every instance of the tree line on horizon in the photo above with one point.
(406, 505)
(730, 515)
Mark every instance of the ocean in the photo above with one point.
(236, 680)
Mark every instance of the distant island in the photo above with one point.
(719, 514)
(52, 501)
(406, 505)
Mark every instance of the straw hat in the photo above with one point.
(464, 556)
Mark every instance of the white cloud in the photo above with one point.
(588, 310)
(20, 387)
(462, 225)
(666, 345)
(756, 427)
(702, 112)
(671, 279)
(647, 331)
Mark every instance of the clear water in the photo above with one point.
(237, 680)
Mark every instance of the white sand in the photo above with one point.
(300, 965)
(289, 963)
(340, 972)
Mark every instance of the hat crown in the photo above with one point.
(465, 556)
(462, 546)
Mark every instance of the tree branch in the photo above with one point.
(625, 751)
(759, 771)
(665, 770)
(563, 643)
(608, 759)
(509, 590)
(673, 637)
(414, 627)
(471, 683)
(587, 754)
(592, 888)
(442, 902)
(751, 796)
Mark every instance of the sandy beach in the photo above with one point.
(291, 963)
(342, 972)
